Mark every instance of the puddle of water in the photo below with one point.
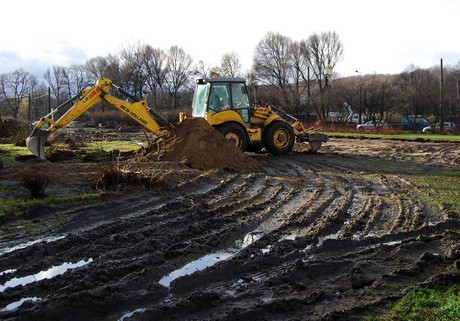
(7, 272)
(251, 238)
(197, 265)
(211, 259)
(17, 304)
(321, 239)
(30, 243)
(130, 314)
(391, 243)
(266, 250)
(47, 274)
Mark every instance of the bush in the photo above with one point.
(75, 142)
(15, 131)
(35, 181)
(112, 117)
(114, 175)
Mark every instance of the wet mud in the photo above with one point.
(303, 237)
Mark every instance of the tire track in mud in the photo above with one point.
(335, 214)
(321, 234)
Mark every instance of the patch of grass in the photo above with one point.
(421, 303)
(13, 209)
(108, 146)
(440, 186)
(444, 189)
(398, 136)
(9, 152)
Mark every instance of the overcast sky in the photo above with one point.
(378, 36)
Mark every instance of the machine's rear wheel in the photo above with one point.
(278, 138)
(235, 133)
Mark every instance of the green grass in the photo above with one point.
(8, 153)
(107, 146)
(442, 191)
(19, 208)
(441, 185)
(424, 303)
(399, 136)
(444, 188)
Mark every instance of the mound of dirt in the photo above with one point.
(197, 144)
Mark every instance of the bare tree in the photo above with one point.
(377, 99)
(15, 87)
(416, 89)
(77, 78)
(58, 82)
(132, 67)
(179, 72)
(323, 51)
(272, 64)
(300, 78)
(452, 92)
(103, 67)
(201, 70)
(156, 65)
(230, 65)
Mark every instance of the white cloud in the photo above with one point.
(378, 36)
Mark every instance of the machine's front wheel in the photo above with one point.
(278, 138)
(235, 133)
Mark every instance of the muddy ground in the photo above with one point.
(327, 236)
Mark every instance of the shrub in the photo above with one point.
(110, 176)
(75, 142)
(114, 175)
(35, 181)
(112, 116)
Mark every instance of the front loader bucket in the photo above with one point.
(36, 143)
(316, 140)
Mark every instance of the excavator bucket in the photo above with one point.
(36, 142)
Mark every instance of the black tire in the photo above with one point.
(235, 133)
(278, 138)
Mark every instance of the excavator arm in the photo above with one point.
(88, 98)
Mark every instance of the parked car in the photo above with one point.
(371, 124)
(414, 122)
(436, 127)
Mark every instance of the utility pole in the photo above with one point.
(440, 99)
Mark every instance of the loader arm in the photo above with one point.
(88, 98)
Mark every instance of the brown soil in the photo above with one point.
(327, 236)
(195, 143)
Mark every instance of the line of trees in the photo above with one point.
(297, 76)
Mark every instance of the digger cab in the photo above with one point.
(215, 95)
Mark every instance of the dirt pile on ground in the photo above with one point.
(197, 144)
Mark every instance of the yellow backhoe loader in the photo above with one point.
(222, 101)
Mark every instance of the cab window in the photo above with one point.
(219, 98)
(199, 100)
(240, 100)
